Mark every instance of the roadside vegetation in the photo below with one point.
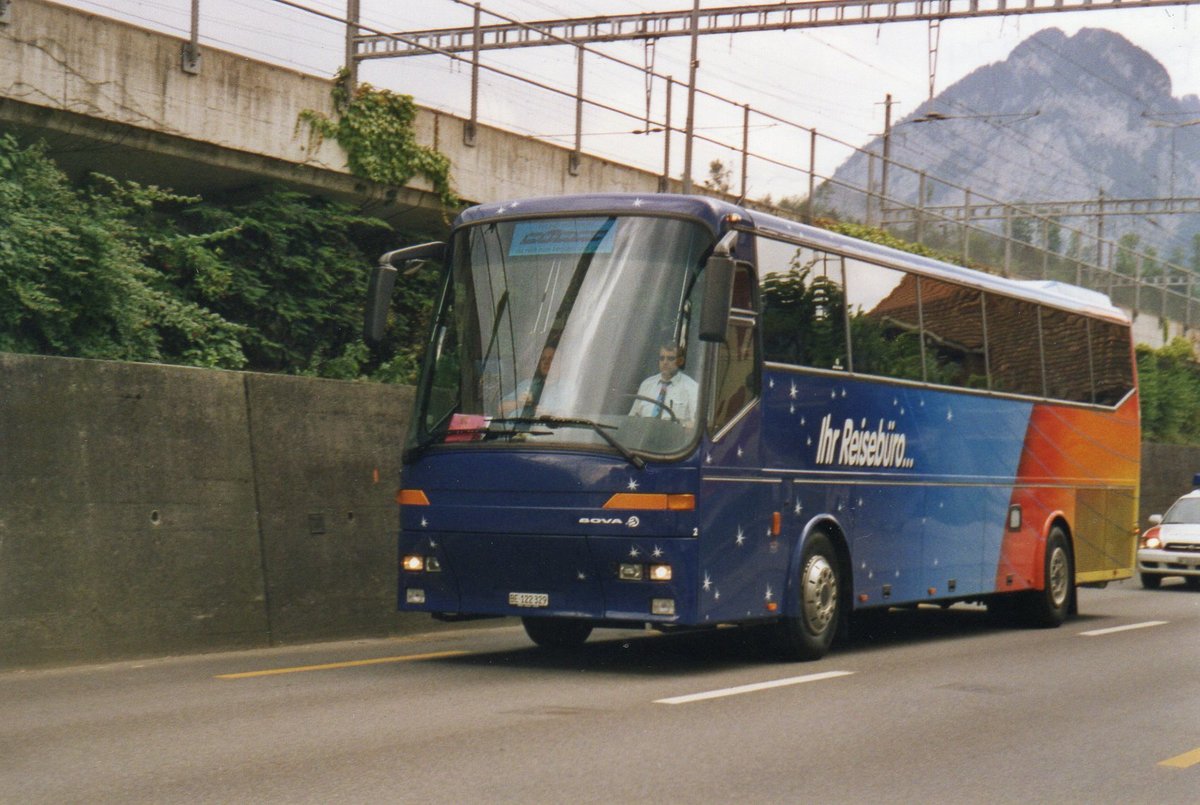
(269, 282)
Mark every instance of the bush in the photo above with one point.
(116, 270)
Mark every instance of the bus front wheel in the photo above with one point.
(807, 632)
(557, 633)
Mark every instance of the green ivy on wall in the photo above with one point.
(375, 128)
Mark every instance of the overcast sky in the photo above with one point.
(833, 79)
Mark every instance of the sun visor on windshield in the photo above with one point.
(563, 236)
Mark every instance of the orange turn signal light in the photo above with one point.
(411, 497)
(651, 502)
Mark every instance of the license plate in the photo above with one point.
(532, 600)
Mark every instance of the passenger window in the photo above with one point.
(803, 305)
(1067, 354)
(737, 366)
(952, 327)
(885, 325)
(1112, 361)
(1014, 346)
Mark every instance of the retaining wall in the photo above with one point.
(148, 510)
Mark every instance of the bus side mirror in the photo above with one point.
(383, 282)
(379, 299)
(718, 296)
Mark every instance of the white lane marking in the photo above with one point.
(1114, 629)
(778, 683)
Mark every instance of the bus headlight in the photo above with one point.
(660, 572)
(414, 564)
(662, 606)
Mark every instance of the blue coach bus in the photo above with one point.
(673, 411)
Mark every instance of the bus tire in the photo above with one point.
(807, 632)
(1048, 607)
(557, 633)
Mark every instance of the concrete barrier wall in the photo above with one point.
(148, 510)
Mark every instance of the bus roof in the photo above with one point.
(713, 212)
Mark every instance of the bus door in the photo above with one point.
(740, 542)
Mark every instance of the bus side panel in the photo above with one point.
(885, 531)
(920, 478)
(1083, 463)
(743, 565)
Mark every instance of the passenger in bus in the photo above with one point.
(530, 394)
(670, 394)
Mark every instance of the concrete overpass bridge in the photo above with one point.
(112, 97)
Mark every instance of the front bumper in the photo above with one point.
(563, 575)
(1163, 562)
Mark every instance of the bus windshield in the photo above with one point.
(568, 331)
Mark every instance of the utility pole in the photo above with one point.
(887, 152)
(690, 124)
(351, 65)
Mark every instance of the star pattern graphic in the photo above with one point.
(424, 523)
(657, 552)
(740, 539)
(632, 485)
(707, 583)
(634, 553)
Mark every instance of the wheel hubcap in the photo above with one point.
(819, 591)
(1058, 582)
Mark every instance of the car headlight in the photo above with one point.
(1151, 541)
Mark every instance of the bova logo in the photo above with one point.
(862, 446)
(632, 522)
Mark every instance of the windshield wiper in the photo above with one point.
(571, 422)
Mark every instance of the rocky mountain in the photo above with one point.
(1061, 119)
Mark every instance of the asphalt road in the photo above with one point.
(923, 707)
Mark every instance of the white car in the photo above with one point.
(1171, 546)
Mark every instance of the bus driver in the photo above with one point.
(668, 392)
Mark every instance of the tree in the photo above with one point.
(1169, 389)
(720, 177)
(1127, 258)
(273, 281)
(73, 280)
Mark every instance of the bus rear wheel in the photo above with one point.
(1048, 607)
(557, 633)
(808, 631)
